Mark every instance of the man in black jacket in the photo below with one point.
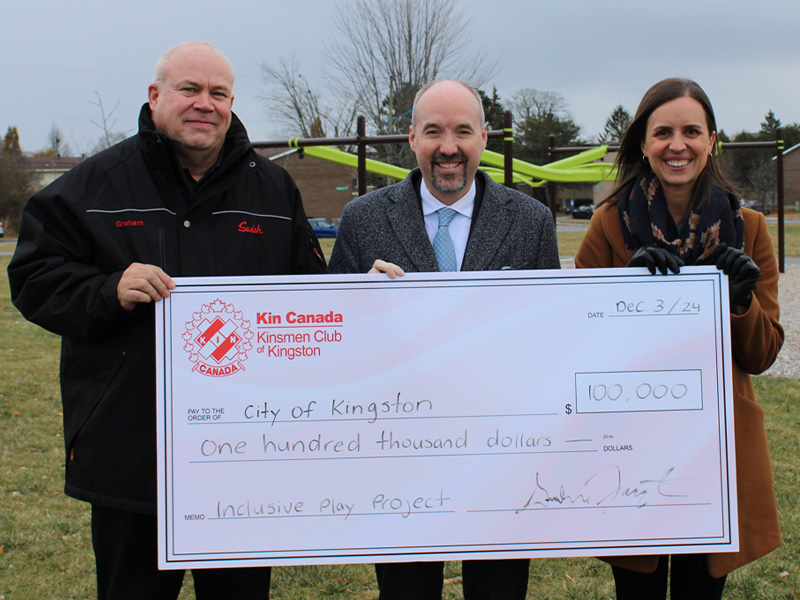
(186, 196)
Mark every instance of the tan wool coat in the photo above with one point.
(756, 339)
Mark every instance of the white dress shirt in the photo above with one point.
(459, 226)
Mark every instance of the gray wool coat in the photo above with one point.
(510, 230)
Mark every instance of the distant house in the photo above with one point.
(47, 169)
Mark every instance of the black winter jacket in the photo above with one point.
(134, 203)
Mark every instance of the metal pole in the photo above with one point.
(362, 155)
(779, 169)
(508, 150)
(552, 187)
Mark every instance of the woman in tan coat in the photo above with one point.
(673, 206)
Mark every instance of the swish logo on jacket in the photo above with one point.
(245, 228)
(217, 340)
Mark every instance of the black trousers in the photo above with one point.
(482, 580)
(125, 549)
(688, 580)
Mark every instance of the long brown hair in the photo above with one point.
(630, 162)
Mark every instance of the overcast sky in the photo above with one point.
(55, 55)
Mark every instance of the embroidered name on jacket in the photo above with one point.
(130, 223)
(245, 228)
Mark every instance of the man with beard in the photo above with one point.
(446, 216)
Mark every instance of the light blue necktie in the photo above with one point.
(443, 243)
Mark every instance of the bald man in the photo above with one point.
(186, 196)
(398, 229)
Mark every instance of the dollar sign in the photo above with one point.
(568, 409)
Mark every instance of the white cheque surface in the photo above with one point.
(338, 419)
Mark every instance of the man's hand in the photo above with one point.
(391, 269)
(656, 258)
(742, 274)
(141, 284)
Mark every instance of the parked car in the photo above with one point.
(2, 229)
(583, 211)
(757, 205)
(323, 229)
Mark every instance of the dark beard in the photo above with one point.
(450, 183)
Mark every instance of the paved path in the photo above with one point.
(7, 247)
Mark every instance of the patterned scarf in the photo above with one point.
(646, 222)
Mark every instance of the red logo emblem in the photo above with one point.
(218, 339)
(245, 228)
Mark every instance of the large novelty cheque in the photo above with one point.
(341, 419)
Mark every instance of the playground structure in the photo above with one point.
(503, 168)
(580, 167)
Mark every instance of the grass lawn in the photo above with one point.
(791, 232)
(327, 245)
(45, 544)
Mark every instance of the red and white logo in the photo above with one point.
(218, 339)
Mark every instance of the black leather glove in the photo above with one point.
(652, 258)
(742, 273)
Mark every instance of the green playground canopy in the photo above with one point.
(578, 168)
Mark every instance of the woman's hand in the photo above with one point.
(742, 273)
(652, 258)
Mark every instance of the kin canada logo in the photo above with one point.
(218, 339)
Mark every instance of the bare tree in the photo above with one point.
(383, 52)
(109, 137)
(529, 103)
(387, 48)
(302, 108)
(58, 147)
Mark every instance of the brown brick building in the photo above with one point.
(791, 178)
(325, 186)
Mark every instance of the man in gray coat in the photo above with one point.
(446, 216)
